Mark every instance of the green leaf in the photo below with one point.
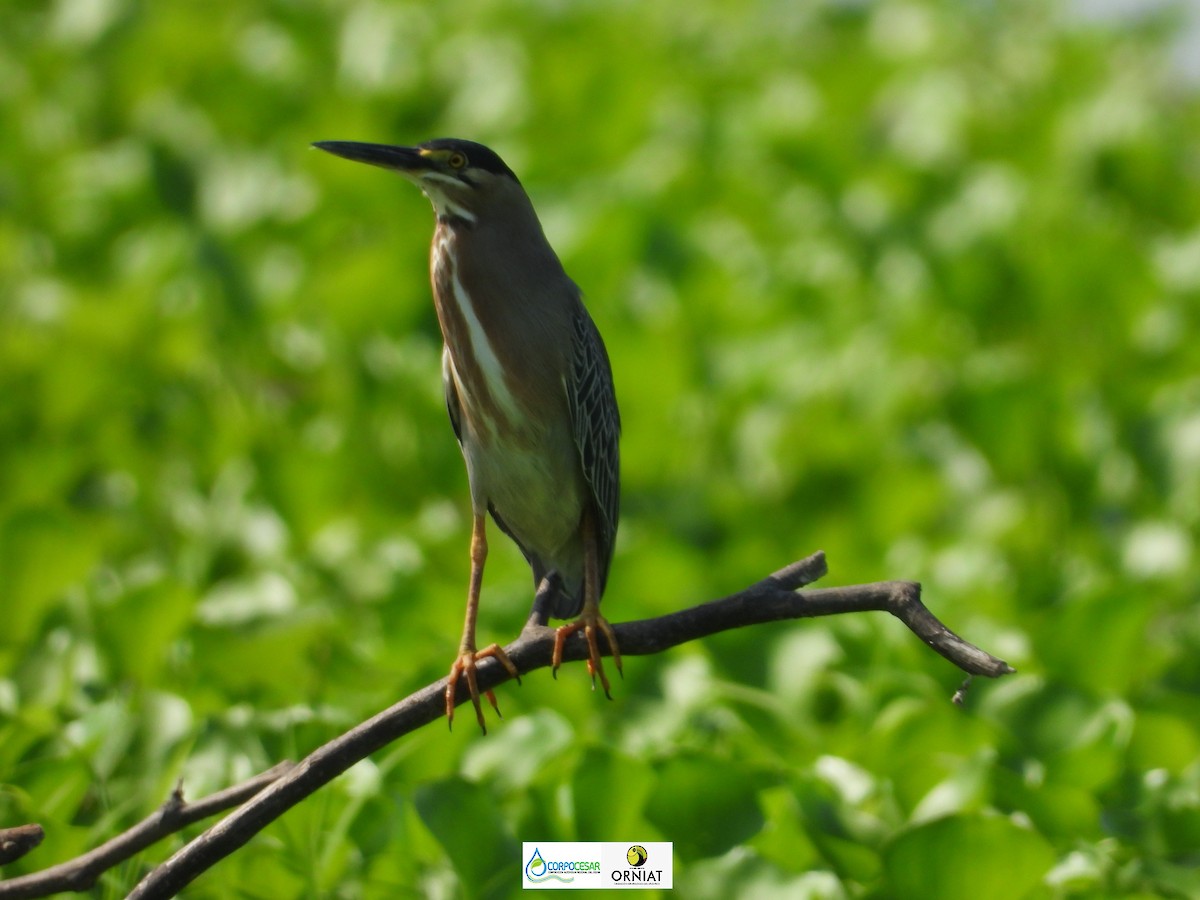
(142, 627)
(609, 790)
(42, 553)
(984, 857)
(516, 754)
(467, 822)
(705, 805)
(1163, 741)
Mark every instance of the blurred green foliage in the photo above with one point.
(912, 282)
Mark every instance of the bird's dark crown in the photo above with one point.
(478, 156)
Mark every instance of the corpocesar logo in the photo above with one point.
(539, 869)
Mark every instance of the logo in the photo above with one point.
(636, 873)
(588, 865)
(539, 869)
(536, 869)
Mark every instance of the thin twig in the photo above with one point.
(16, 842)
(81, 873)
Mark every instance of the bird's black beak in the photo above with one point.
(398, 159)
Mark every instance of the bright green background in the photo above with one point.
(913, 283)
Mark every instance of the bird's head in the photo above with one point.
(462, 179)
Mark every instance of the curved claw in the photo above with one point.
(589, 623)
(465, 664)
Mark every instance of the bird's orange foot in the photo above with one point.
(589, 623)
(466, 664)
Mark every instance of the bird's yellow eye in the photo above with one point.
(456, 160)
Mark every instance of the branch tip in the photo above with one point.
(17, 841)
(798, 574)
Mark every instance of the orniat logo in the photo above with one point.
(637, 873)
(539, 869)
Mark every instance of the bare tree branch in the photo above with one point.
(16, 842)
(81, 873)
(775, 598)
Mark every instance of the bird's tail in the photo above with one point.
(568, 604)
(566, 599)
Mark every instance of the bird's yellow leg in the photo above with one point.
(468, 657)
(590, 621)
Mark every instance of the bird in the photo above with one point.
(529, 390)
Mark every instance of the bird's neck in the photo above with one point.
(453, 221)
